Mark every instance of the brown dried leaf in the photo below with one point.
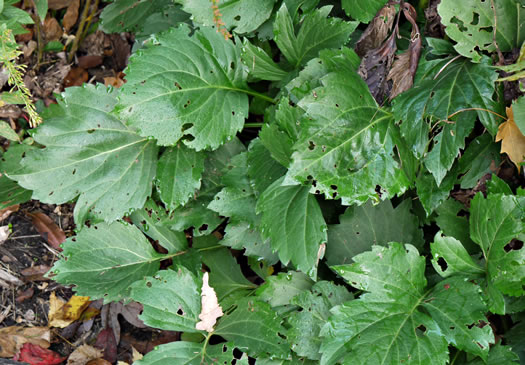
(405, 66)
(52, 30)
(13, 338)
(377, 31)
(62, 314)
(87, 62)
(512, 141)
(58, 4)
(24, 295)
(35, 273)
(211, 310)
(83, 354)
(76, 77)
(4, 233)
(48, 229)
(6, 212)
(375, 66)
(98, 362)
(71, 16)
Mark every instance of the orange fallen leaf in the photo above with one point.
(211, 310)
(512, 141)
(13, 338)
(62, 314)
(48, 229)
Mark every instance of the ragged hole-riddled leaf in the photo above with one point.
(399, 319)
(182, 84)
(241, 16)
(91, 155)
(170, 299)
(105, 259)
(346, 146)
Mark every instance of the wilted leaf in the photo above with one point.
(12, 338)
(36, 355)
(512, 140)
(62, 314)
(83, 354)
(48, 229)
(405, 66)
(210, 308)
(106, 341)
(377, 31)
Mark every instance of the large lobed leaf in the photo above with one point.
(399, 320)
(346, 145)
(91, 155)
(186, 85)
(104, 260)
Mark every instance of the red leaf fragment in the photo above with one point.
(36, 355)
(106, 342)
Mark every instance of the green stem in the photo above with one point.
(253, 125)
(259, 95)
(203, 353)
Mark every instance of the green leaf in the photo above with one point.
(105, 259)
(7, 132)
(518, 110)
(449, 257)
(447, 144)
(277, 142)
(255, 328)
(363, 11)
(442, 88)
(186, 85)
(478, 158)
(399, 320)
(241, 235)
(263, 170)
(41, 9)
(259, 64)
(307, 324)
(279, 289)
(494, 222)
(179, 175)
(497, 186)
(129, 15)
(317, 32)
(150, 220)
(196, 213)
(91, 155)
(361, 227)
(470, 24)
(225, 273)
(241, 16)
(346, 146)
(169, 300)
(454, 224)
(11, 193)
(430, 195)
(188, 353)
(293, 221)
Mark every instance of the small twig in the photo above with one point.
(39, 38)
(500, 55)
(19, 237)
(480, 109)
(90, 19)
(80, 30)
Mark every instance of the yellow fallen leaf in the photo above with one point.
(211, 310)
(512, 141)
(62, 314)
(13, 338)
